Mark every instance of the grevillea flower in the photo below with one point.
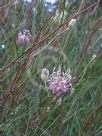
(27, 39)
(60, 82)
(24, 37)
(20, 38)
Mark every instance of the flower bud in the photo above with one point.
(44, 74)
(72, 22)
(48, 109)
(20, 38)
(59, 101)
(93, 57)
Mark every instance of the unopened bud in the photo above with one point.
(48, 109)
(59, 101)
(44, 74)
(72, 22)
(94, 56)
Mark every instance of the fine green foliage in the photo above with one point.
(70, 37)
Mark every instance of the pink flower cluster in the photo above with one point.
(24, 37)
(60, 82)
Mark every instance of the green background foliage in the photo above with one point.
(26, 107)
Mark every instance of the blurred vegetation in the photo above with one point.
(26, 109)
